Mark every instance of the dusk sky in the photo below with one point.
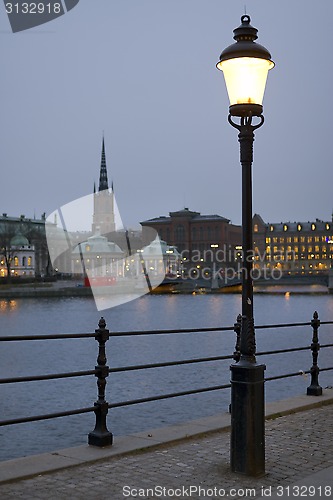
(143, 71)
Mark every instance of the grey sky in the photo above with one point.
(144, 72)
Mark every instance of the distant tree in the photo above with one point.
(36, 235)
(7, 253)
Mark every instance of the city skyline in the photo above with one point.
(145, 75)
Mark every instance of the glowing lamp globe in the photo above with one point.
(245, 65)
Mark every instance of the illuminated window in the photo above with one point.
(313, 227)
(16, 261)
(317, 238)
(275, 249)
(285, 227)
(327, 227)
(275, 240)
(29, 261)
(281, 240)
(309, 239)
(255, 228)
(268, 240)
(296, 239)
(296, 248)
(310, 249)
(299, 227)
(289, 239)
(87, 248)
(323, 248)
(302, 239)
(316, 248)
(271, 228)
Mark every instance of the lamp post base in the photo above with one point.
(247, 419)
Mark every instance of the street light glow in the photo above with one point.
(245, 79)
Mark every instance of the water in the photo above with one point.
(79, 315)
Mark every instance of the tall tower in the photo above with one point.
(103, 217)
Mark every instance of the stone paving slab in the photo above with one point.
(299, 451)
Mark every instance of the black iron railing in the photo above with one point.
(100, 436)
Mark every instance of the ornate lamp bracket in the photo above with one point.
(246, 123)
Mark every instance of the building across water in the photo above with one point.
(23, 248)
(294, 248)
(212, 242)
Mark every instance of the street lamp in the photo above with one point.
(245, 65)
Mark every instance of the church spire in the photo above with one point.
(103, 176)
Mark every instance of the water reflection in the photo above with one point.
(8, 305)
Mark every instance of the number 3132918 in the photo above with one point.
(33, 8)
(304, 491)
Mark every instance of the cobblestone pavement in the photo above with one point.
(297, 445)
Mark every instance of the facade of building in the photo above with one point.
(23, 248)
(204, 240)
(294, 248)
(98, 258)
(22, 259)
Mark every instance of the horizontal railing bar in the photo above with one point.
(283, 325)
(167, 396)
(281, 351)
(36, 418)
(51, 376)
(34, 378)
(203, 360)
(295, 374)
(168, 363)
(9, 338)
(326, 369)
(166, 332)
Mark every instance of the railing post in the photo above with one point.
(314, 389)
(100, 436)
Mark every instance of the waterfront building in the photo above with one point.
(204, 240)
(21, 255)
(294, 248)
(162, 258)
(98, 258)
(23, 246)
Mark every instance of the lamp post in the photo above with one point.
(245, 65)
